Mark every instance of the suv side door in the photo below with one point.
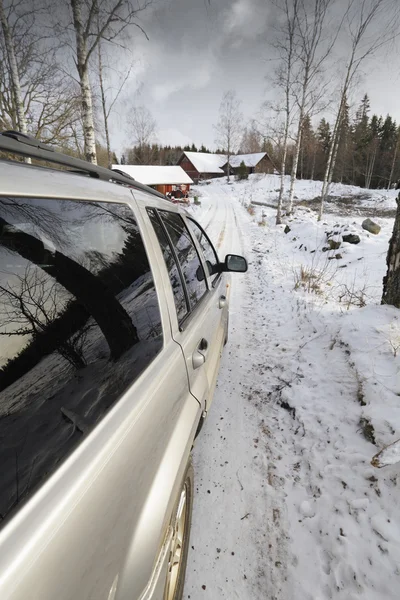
(197, 321)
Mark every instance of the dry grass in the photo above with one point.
(250, 210)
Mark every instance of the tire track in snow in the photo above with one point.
(237, 519)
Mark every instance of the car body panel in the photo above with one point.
(98, 527)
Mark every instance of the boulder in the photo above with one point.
(333, 245)
(352, 238)
(338, 256)
(370, 226)
(287, 229)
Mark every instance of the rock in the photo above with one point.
(287, 229)
(338, 256)
(352, 238)
(325, 249)
(333, 245)
(370, 226)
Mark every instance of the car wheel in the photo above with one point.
(180, 539)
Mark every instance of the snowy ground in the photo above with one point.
(287, 503)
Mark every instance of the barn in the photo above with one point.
(202, 165)
(258, 162)
(164, 179)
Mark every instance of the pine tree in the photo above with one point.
(243, 172)
(343, 161)
(323, 141)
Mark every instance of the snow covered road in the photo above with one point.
(287, 506)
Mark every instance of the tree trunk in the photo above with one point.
(282, 186)
(14, 74)
(87, 288)
(87, 117)
(330, 165)
(313, 163)
(83, 71)
(295, 163)
(103, 104)
(228, 165)
(391, 281)
(393, 165)
(370, 168)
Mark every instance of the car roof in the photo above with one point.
(28, 181)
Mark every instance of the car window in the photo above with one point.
(181, 304)
(187, 255)
(79, 322)
(210, 254)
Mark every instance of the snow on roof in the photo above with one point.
(155, 175)
(250, 160)
(205, 162)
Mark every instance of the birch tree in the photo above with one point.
(313, 46)
(285, 45)
(229, 127)
(95, 21)
(361, 18)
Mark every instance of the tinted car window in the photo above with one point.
(173, 272)
(79, 321)
(187, 255)
(210, 254)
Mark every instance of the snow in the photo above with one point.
(390, 455)
(207, 163)
(287, 502)
(155, 175)
(250, 160)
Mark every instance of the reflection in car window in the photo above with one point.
(210, 254)
(79, 321)
(187, 255)
(173, 272)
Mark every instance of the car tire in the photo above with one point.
(181, 524)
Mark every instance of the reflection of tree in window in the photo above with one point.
(174, 276)
(79, 321)
(187, 255)
(210, 254)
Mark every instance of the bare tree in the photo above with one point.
(143, 130)
(313, 46)
(48, 102)
(251, 139)
(109, 94)
(229, 127)
(93, 21)
(360, 18)
(20, 121)
(30, 305)
(285, 45)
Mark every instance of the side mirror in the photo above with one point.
(235, 263)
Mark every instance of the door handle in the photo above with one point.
(199, 356)
(222, 301)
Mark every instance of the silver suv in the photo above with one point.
(113, 316)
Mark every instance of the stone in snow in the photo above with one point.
(352, 238)
(370, 226)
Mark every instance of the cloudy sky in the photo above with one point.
(198, 49)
